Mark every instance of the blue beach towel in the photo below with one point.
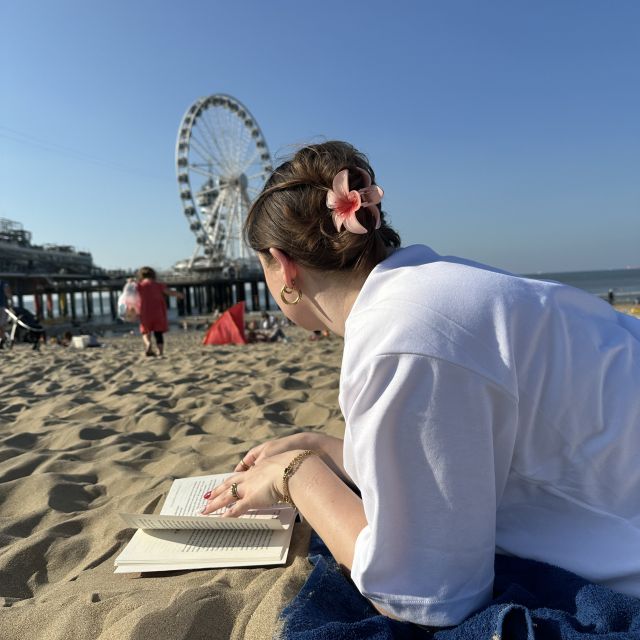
(532, 601)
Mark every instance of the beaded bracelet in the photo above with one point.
(291, 468)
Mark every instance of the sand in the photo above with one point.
(86, 434)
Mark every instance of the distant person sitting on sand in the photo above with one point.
(153, 309)
(267, 321)
(485, 412)
(273, 334)
(5, 301)
(250, 332)
(319, 334)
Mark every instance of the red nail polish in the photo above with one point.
(207, 495)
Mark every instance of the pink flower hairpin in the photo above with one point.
(344, 203)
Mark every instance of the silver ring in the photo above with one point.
(234, 491)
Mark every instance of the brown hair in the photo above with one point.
(291, 213)
(146, 272)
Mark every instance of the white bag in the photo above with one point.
(129, 302)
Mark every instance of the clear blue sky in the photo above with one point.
(505, 131)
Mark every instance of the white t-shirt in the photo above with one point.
(487, 412)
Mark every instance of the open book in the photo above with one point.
(178, 538)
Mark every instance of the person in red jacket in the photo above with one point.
(153, 309)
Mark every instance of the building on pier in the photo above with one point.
(19, 255)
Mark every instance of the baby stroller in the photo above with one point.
(22, 326)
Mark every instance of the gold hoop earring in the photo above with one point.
(285, 291)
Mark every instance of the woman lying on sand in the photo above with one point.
(484, 412)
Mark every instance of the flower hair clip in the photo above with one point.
(344, 203)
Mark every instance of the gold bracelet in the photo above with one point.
(292, 467)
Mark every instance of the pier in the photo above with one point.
(80, 298)
(65, 284)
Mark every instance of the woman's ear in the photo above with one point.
(286, 265)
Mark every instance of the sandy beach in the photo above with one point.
(86, 434)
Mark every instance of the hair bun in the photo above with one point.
(322, 208)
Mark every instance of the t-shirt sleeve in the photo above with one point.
(428, 443)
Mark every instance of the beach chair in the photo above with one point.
(22, 326)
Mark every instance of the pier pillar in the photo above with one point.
(208, 298)
(62, 304)
(267, 306)
(205, 299)
(218, 298)
(72, 305)
(49, 299)
(240, 294)
(101, 303)
(20, 300)
(187, 300)
(180, 302)
(113, 304)
(37, 301)
(255, 297)
(89, 305)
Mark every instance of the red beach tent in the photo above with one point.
(228, 328)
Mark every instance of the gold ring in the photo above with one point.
(245, 466)
(234, 491)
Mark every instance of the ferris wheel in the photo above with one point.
(222, 162)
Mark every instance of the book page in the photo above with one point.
(264, 519)
(131, 567)
(191, 546)
(186, 547)
(185, 496)
(181, 510)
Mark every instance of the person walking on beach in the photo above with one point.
(153, 309)
(485, 412)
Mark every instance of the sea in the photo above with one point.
(624, 283)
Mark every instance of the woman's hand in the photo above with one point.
(258, 488)
(280, 445)
(327, 447)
